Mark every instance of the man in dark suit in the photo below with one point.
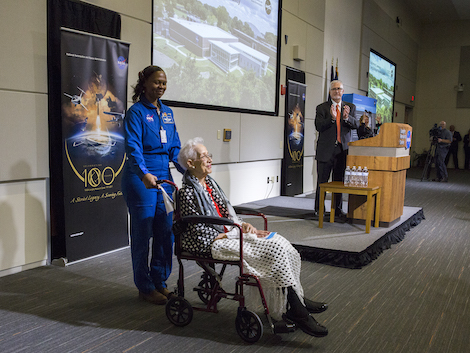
(334, 121)
(454, 147)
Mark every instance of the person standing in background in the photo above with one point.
(454, 147)
(466, 149)
(442, 148)
(334, 121)
(152, 142)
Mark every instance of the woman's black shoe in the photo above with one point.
(315, 307)
(307, 324)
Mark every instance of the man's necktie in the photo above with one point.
(338, 123)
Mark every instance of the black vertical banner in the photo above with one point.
(94, 95)
(293, 162)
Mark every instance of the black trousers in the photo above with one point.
(337, 164)
(454, 152)
(467, 157)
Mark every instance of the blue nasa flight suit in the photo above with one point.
(148, 154)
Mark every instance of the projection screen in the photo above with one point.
(219, 54)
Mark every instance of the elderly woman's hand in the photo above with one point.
(221, 236)
(262, 233)
(248, 228)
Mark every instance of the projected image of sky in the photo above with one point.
(382, 85)
(218, 52)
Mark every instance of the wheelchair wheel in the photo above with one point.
(249, 326)
(205, 289)
(179, 311)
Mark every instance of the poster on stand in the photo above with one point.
(293, 162)
(94, 86)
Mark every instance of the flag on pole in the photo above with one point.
(336, 76)
(332, 76)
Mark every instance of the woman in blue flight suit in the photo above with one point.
(152, 142)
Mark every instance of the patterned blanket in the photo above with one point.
(272, 259)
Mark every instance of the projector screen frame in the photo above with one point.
(204, 106)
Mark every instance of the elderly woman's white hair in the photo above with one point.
(188, 151)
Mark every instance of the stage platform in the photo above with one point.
(336, 244)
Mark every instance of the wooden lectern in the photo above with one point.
(387, 156)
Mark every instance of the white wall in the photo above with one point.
(24, 225)
(24, 159)
(23, 90)
(343, 26)
(303, 22)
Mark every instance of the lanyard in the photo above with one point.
(163, 137)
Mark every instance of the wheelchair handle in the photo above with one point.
(161, 181)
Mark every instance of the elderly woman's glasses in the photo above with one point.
(206, 156)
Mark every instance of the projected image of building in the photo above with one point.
(221, 47)
(223, 55)
(196, 37)
(260, 46)
(383, 98)
(229, 56)
(251, 59)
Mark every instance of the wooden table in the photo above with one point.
(339, 187)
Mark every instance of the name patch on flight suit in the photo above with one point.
(168, 118)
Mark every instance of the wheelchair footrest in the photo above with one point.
(283, 327)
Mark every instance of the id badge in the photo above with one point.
(163, 135)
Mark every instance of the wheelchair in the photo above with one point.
(209, 290)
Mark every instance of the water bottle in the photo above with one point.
(347, 176)
(359, 176)
(353, 178)
(365, 173)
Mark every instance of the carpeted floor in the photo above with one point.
(414, 298)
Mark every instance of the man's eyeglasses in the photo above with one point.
(336, 89)
(206, 156)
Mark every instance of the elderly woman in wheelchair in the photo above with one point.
(268, 256)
